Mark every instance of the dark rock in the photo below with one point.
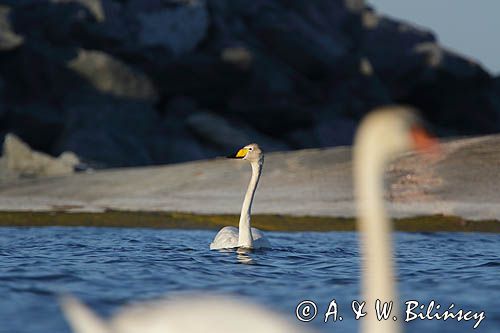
(177, 27)
(37, 73)
(53, 22)
(449, 63)
(95, 7)
(495, 98)
(159, 81)
(448, 89)
(37, 124)
(207, 78)
(335, 131)
(391, 46)
(3, 114)
(110, 76)
(107, 131)
(315, 28)
(114, 34)
(3, 108)
(418, 71)
(179, 144)
(369, 91)
(496, 84)
(302, 139)
(355, 5)
(8, 38)
(217, 131)
(238, 56)
(274, 97)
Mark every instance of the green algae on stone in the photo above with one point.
(179, 220)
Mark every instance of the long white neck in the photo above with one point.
(375, 228)
(245, 233)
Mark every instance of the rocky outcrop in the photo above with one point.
(136, 82)
(20, 161)
(463, 182)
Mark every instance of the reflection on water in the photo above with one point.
(244, 256)
(108, 267)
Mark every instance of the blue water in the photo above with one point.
(108, 267)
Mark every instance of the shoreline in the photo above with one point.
(308, 190)
(266, 222)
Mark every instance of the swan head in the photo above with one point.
(250, 152)
(392, 130)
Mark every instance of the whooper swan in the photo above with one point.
(245, 236)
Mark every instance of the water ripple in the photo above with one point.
(110, 267)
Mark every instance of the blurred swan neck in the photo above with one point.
(375, 231)
(245, 238)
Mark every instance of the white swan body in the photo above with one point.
(188, 314)
(245, 236)
(382, 135)
(227, 238)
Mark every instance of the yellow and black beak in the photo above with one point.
(240, 154)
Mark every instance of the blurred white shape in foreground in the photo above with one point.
(187, 314)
